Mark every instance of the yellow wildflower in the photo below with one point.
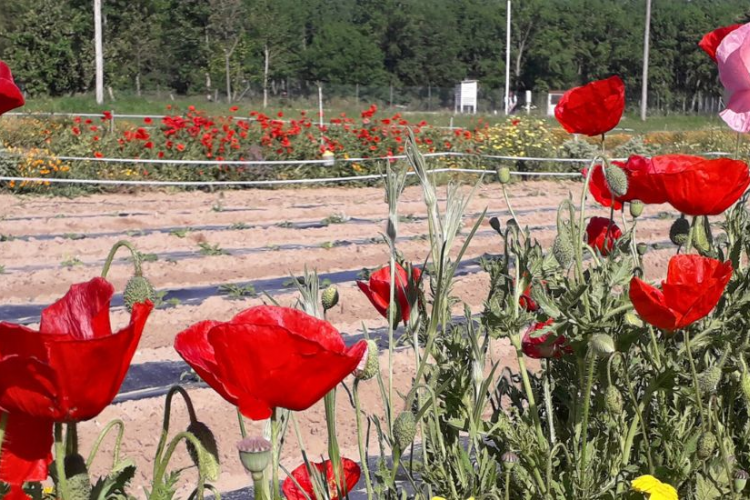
(655, 489)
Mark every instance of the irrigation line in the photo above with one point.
(277, 182)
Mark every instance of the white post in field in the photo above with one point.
(99, 51)
(644, 84)
(507, 62)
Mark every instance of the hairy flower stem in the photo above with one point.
(161, 468)
(585, 420)
(275, 455)
(361, 441)
(640, 420)
(241, 420)
(533, 409)
(165, 423)
(62, 481)
(103, 434)
(548, 403)
(333, 444)
(510, 207)
(258, 486)
(696, 384)
(133, 252)
(507, 484)
(71, 439)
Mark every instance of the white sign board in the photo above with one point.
(466, 96)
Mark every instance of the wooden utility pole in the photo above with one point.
(99, 51)
(644, 84)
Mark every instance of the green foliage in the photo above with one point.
(234, 291)
(211, 250)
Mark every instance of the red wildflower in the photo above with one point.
(148, 121)
(10, 95)
(97, 154)
(601, 234)
(234, 109)
(95, 138)
(593, 109)
(526, 302)
(88, 121)
(68, 371)
(378, 290)
(269, 357)
(544, 347)
(180, 147)
(711, 41)
(301, 475)
(148, 145)
(692, 289)
(106, 115)
(76, 131)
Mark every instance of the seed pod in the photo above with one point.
(562, 249)
(330, 297)
(390, 229)
(636, 208)
(137, 290)
(404, 429)
(255, 454)
(706, 445)
(509, 460)
(679, 231)
(613, 400)
(369, 365)
(740, 479)
(503, 175)
(617, 180)
(709, 380)
(207, 457)
(77, 475)
(641, 248)
(602, 345)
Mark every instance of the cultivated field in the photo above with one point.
(265, 236)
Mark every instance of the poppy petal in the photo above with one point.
(26, 450)
(83, 313)
(650, 304)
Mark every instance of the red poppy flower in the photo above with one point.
(593, 109)
(601, 233)
(148, 121)
(350, 478)
(692, 289)
(68, 371)
(10, 95)
(542, 347)
(700, 186)
(711, 41)
(26, 453)
(234, 109)
(106, 115)
(526, 302)
(269, 357)
(378, 289)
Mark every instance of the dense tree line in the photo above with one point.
(200, 46)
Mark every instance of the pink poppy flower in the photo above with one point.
(733, 58)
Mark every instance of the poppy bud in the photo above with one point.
(641, 248)
(404, 429)
(330, 297)
(636, 208)
(562, 249)
(255, 454)
(77, 475)
(617, 180)
(512, 224)
(613, 400)
(495, 223)
(503, 175)
(679, 231)
(740, 479)
(207, 457)
(602, 345)
(709, 380)
(745, 387)
(370, 364)
(706, 445)
(509, 460)
(137, 290)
